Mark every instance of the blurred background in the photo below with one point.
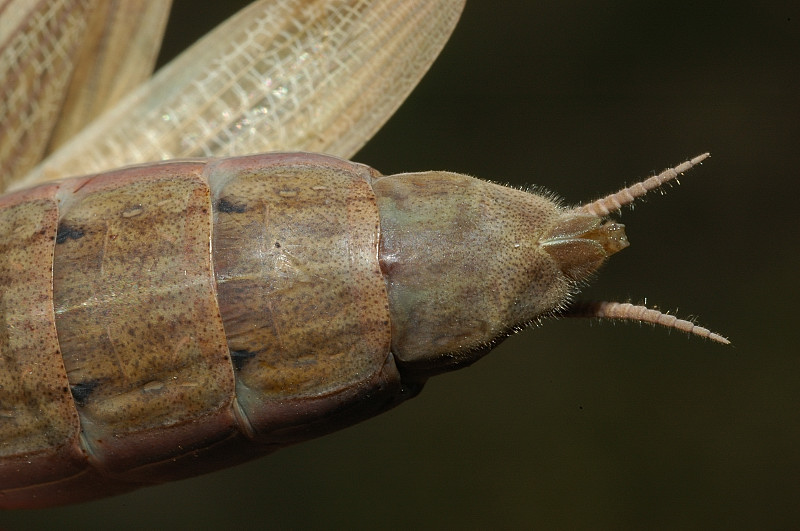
(576, 424)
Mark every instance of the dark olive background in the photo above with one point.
(577, 424)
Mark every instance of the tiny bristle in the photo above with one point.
(614, 202)
(632, 312)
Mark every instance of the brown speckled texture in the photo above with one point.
(118, 282)
(137, 318)
(38, 424)
(300, 291)
(187, 349)
(463, 265)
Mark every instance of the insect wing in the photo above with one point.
(279, 75)
(64, 62)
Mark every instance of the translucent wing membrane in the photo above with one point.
(36, 61)
(279, 75)
(118, 53)
(64, 62)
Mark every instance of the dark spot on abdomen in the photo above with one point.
(81, 391)
(240, 357)
(65, 232)
(225, 206)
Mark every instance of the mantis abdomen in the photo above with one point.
(165, 320)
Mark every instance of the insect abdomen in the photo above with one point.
(167, 320)
(171, 351)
